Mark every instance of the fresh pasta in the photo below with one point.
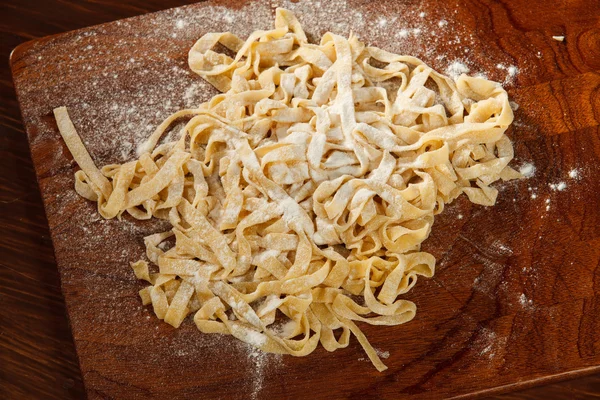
(299, 197)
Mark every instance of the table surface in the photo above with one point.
(37, 358)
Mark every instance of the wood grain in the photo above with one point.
(473, 334)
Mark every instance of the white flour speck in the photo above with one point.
(527, 170)
(382, 354)
(524, 301)
(456, 69)
(486, 350)
(488, 343)
(574, 174)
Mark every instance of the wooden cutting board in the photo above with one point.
(514, 301)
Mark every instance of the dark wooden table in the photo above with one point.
(37, 356)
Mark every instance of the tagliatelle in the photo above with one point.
(309, 183)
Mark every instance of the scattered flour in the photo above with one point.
(256, 338)
(457, 68)
(511, 72)
(382, 354)
(487, 343)
(258, 360)
(417, 33)
(560, 186)
(139, 95)
(524, 301)
(527, 170)
(497, 247)
(574, 174)
(486, 350)
(137, 98)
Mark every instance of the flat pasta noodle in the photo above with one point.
(309, 183)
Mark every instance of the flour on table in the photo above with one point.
(424, 35)
(144, 89)
(382, 354)
(575, 174)
(527, 170)
(487, 343)
(511, 72)
(126, 112)
(456, 69)
(497, 247)
(259, 362)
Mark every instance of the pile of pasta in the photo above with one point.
(299, 196)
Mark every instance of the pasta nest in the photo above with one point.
(299, 197)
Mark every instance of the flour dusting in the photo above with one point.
(525, 302)
(382, 354)
(487, 343)
(575, 174)
(456, 69)
(260, 362)
(560, 186)
(404, 29)
(527, 170)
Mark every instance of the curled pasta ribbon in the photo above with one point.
(299, 197)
